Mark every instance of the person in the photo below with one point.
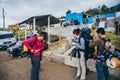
(101, 68)
(72, 22)
(79, 44)
(117, 27)
(97, 20)
(35, 50)
(61, 23)
(85, 19)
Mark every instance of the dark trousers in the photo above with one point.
(35, 67)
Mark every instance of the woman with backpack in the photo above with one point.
(79, 44)
(36, 46)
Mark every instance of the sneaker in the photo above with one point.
(77, 77)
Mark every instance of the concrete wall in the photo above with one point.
(61, 55)
(110, 24)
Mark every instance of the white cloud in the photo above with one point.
(19, 10)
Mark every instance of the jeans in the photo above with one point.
(102, 71)
(35, 67)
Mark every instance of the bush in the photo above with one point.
(117, 42)
(21, 33)
(57, 41)
(42, 28)
(57, 44)
(54, 38)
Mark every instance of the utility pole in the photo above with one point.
(3, 19)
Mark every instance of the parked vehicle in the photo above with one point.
(7, 39)
(17, 50)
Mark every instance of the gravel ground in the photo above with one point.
(19, 69)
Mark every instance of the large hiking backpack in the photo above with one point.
(86, 34)
(110, 55)
(109, 50)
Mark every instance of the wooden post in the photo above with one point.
(25, 30)
(34, 23)
(48, 29)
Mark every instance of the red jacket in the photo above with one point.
(37, 45)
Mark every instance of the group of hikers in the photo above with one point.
(79, 43)
(36, 45)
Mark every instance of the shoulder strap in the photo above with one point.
(104, 40)
(79, 40)
(34, 42)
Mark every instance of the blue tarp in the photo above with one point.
(107, 15)
(79, 17)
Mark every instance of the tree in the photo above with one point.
(104, 9)
(112, 9)
(62, 17)
(68, 12)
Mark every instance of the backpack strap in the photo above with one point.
(79, 40)
(80, 43)
(105, 40)
(75, 53)
(28, 56)
(32, 44)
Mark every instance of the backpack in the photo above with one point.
(109, 50)
(25, 49)
(97, 20)
(86, 34)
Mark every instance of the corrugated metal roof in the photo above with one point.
(41, 20)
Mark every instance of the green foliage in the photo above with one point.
(42, 28)
(117, 42)
(58, 44)
(115, 39)
(68, 12)
(102, 10)
(62, 17)
(20, 33)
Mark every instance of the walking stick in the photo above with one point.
(46, 58)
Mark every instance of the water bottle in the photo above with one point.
(102, 58)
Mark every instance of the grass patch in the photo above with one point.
(115, 39)
(58, 44)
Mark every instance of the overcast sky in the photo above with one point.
(19, 10)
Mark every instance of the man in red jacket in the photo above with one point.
(35, 45)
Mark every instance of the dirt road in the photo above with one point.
(19, 69)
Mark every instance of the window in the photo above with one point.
(4, 36)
